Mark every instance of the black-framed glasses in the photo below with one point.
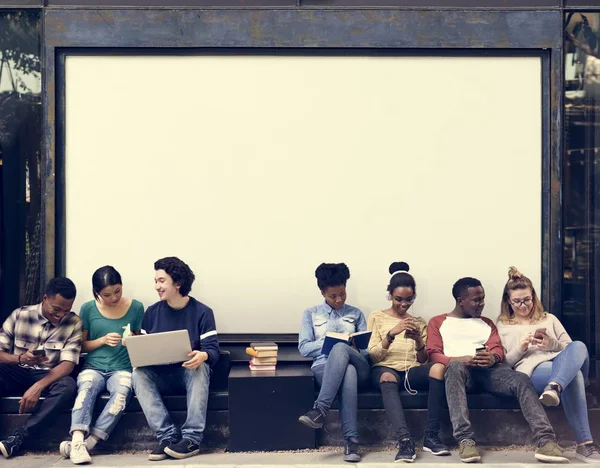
(519, 302)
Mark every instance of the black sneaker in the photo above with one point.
(433, 444)
(351, 451)
(313, 419)
(158, 453)
(407, 452)
(185, 449)
(12, 443)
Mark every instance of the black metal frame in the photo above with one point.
(510, 32)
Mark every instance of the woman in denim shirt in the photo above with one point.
(345, 368)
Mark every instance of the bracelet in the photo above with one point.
(421, 348)
(390, 337)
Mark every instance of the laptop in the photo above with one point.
(158, 349)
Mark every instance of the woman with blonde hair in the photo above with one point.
(538, 345)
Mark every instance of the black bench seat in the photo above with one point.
(217, 399)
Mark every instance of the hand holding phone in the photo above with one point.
(33, 357)
(413, 334)
(540, 333)
(483, 358)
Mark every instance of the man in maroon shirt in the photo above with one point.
(470, 348)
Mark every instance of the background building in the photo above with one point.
(459, 136)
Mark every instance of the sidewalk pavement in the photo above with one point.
(324, 457)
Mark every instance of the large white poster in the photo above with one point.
(255, 169)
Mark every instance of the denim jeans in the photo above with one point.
(149, 382)
(498, 380)
(570, 370)
(15, 380)
(341, 375)
(90, 383)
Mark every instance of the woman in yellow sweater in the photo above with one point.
(397, 349)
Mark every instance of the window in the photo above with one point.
(582, 179)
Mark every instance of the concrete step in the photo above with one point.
(325, 457)
(492, 428)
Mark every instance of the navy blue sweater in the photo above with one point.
(195, 317)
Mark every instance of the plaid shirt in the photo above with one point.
(27, 328)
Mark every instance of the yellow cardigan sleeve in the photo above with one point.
(376, 351)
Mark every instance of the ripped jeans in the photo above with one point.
(90, 383)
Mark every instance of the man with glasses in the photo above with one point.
(470, 347)
(39, 348)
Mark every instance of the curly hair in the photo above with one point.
(179, 271)
(517, 280)
(331, 274)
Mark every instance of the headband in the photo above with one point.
(399, 271)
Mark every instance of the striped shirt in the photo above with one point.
(27, 328)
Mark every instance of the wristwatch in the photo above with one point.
(390, 337)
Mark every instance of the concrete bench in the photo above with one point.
(132, 433)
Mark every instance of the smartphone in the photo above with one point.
(481, 348)
(39, 352)
(539, 333)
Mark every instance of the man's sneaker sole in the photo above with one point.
(155, 457)
(549, 399)
(310, 423)
(64, 451)
(405, 460)
(352, 458)
(181, 456)
(471, 459)
(551, 459)
(440, 453)
(4, 451)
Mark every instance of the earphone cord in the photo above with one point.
(406, 382)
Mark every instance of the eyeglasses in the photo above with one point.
(519, 302)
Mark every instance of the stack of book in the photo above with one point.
(264, 356)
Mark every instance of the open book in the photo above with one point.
(358, 339)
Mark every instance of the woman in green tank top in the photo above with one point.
(107, 366)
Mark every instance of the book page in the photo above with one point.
(340, 336)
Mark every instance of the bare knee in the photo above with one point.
(387, 377)
(437, 371)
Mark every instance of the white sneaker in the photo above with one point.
(65, 449)
(550, 396)
(79, 453)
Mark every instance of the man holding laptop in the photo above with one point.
(175, 311)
